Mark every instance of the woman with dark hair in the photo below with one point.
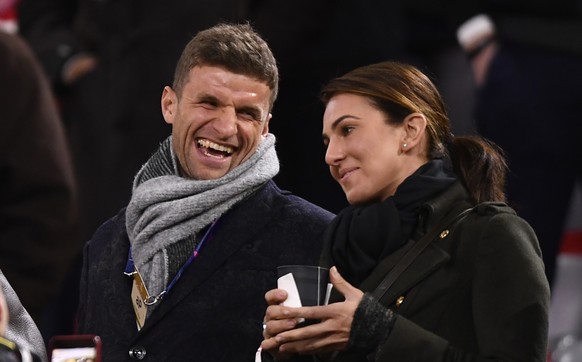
(428, 263)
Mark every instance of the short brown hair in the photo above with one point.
(235, 47)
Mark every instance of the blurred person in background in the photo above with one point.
(527, 64)
(38, 205)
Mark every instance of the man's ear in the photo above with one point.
(169, 104)
(414, 126)
(266, 125)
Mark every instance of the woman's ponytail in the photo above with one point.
(481, 165)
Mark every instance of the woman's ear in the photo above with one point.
(169, 104)
(414, 126)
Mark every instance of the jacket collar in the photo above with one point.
(453, 200)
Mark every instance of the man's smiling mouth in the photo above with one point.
(212, 149)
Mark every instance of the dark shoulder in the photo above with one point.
(291, 204)
(495, 216)
(111, 232)
(113, 224)
(492, 208)
(496, 223)
(106, 252)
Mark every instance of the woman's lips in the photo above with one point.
(345, 173)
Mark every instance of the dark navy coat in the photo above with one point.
(215, 310)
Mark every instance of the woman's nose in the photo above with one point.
(333, 153)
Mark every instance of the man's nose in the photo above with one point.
(225, 122)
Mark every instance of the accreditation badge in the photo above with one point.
(139, 294)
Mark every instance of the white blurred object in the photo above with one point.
(566, 307)
(7, 24)
(566, 349)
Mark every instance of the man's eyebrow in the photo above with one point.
(205, 97)
(253, 110)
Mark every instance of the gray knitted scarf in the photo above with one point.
(167, 212)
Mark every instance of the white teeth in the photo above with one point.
(215, 146)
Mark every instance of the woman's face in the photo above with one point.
(364, 151)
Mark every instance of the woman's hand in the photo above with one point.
(282, 339)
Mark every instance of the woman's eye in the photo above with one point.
(347, 129)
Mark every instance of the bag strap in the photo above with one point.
(414, 251)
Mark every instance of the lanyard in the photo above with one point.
(131, 269)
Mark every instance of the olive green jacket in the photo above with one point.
(478, 294)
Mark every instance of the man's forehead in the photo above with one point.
(215, 81)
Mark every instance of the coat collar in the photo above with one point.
(453, 200)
